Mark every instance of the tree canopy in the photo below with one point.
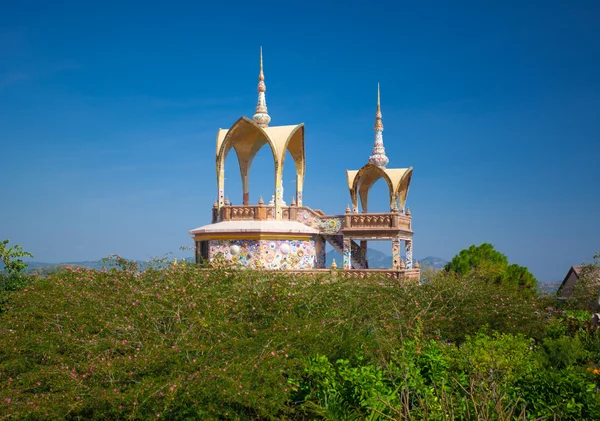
(11, 257)
(486, 262)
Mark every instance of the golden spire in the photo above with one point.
(261, 118)
(378, 154)
(378, 120)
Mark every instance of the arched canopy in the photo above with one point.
(402, 189)
(361, 181)
(247, 138)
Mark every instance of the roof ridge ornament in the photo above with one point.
(261, 118)
(378, 154)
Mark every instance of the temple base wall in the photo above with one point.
(265, 254)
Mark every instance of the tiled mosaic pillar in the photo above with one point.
(320, 252)
(396, 253)
(347, 253)
(409, 254)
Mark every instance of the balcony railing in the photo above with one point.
(327, 224)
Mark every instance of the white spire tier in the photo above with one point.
(261, 118)
(378, 156)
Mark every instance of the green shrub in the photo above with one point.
(182, 342)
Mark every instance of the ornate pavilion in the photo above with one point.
(277, 236)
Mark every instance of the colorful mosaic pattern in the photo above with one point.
(409, 254)
(396, 253)
(325, 226)
(347, 253)
(266, 254)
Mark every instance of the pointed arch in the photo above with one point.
(295, 145)
(364, 180)
(247, 139)
(402, 190)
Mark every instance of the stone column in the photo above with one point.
(396, 253)
(278, 194)
(347, 253)
(245, 187)
(409, 254)
(221, 187)
(320, 252)
(299, 182)
(363, 250)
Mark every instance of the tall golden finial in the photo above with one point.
(261, 118)
(378, 154)
(261, 76)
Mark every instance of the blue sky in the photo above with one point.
(109, 112)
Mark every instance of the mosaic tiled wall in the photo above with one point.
(266, 254)
(326, 226)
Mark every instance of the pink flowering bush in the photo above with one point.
(184, 342)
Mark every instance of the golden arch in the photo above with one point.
(361, 181)
(402, 189)
(246, 138)
(364, 180)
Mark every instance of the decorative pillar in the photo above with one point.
(299, 186)
(221, 186)
(363, 250)
(245, 187)
(278, 192)
(320, 252)
(396, 253)
(409, 254)
(347, 253)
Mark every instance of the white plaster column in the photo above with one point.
(347, 253)
(409, 254)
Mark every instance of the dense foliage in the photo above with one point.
(485, 262)
(11, 257)
(182, 342)
(586, 293)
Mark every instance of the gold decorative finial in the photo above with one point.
(293, 202)
(261, 117)
(378, 99)
(347, 208)
(402, 265)
(333, 264)
(261, 75)
(416, 265)
(408, 212)
(227, 203)
(378, 154)
(261, 201)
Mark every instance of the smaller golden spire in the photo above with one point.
(378, 116)
(261, 118)
(261, 75)
(378, 154)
